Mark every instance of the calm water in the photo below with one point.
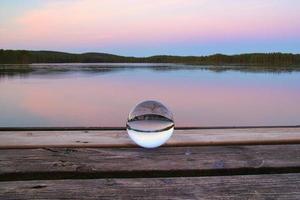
(104, 97)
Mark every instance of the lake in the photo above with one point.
(104, 94)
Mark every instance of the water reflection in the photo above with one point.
(54, 69)
(25, 70)
(104, 98)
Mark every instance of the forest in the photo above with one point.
(28, 57)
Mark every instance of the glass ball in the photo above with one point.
(150, 124)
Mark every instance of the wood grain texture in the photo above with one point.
(276, 186)
(119, 138)
(60, 163)
(122, 128)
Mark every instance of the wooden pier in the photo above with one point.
(196, 163)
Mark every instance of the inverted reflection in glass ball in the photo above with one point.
(150, 124)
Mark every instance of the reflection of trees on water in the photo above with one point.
(250, 69)
(25, 72)
(48, 69)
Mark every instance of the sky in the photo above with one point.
(151, 27)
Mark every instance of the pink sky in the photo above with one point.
(145, 27)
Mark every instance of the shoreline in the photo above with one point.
(68, 67)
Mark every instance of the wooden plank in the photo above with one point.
(60, 163)
(277, 186)
(119, 138)
(122, 128)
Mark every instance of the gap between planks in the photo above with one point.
(119, 138)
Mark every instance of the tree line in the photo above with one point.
(28, 57)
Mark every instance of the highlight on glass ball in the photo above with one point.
(150, 124)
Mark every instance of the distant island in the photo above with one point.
(263, 59)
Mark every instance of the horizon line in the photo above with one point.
(153, 55)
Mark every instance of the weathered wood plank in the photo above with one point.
(122, 128)
(277, 186)
(60, 163)
(119, 138)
